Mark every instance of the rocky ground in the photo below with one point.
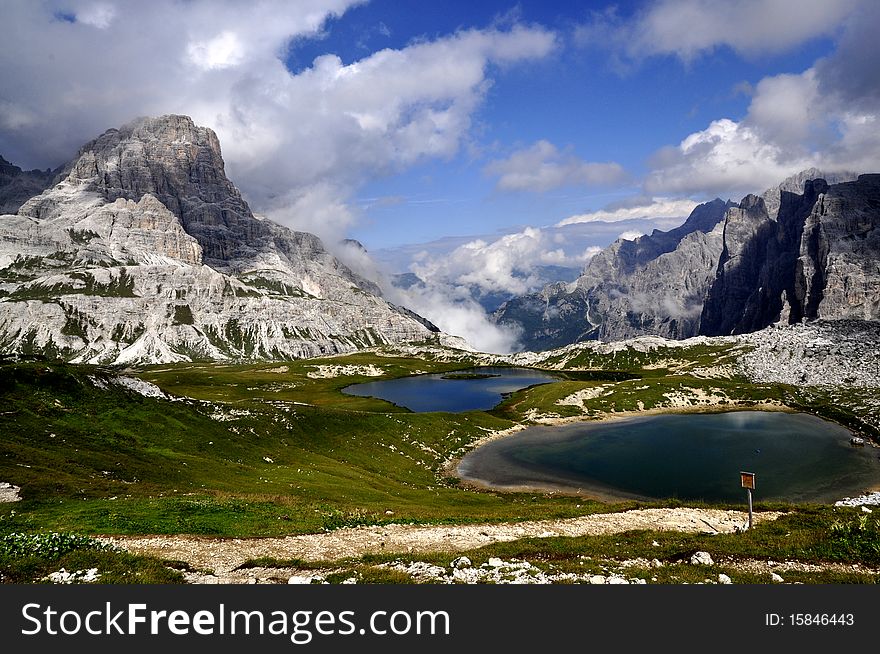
(216, 561)
(823, 353)
(8, 492)
(223, 556)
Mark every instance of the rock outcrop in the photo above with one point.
(144, 251)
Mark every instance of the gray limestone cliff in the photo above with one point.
(806, 249)
(817, 257)
(654, 284)
(144, 251)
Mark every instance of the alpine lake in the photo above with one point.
(796, 457)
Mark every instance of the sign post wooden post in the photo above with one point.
(747, 479)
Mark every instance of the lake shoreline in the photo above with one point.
(596, 491)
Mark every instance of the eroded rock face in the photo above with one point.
(654, 284)
(17, 185)
(819, 257)
(146, 252)
(805, 249)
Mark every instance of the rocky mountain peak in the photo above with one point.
(807, 248)
(815, 256)
(145, 251)
(797, 184)
(178, 163)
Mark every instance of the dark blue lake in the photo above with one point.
(796, 457)
(450, 391)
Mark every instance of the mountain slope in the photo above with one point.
(17, 185)
(146, 252)
(804, 249)
(654, 284)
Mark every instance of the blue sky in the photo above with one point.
(575, 98)
(472, 143)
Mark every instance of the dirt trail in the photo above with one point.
(224, 554)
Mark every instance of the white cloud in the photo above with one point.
(727, 157)
(507, 264)
(689, 28)
(98, 15)
(454, 278)
(542, 167)
(223, 51)
(631, 235)
(454, 311)
(790, 125)
(649, 208)
(824, 117)
(291, 141)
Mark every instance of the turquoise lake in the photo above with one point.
(797, 458)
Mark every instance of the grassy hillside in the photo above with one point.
(276, 448)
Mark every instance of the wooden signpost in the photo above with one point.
(747, 479)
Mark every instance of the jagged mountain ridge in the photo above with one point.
(633, 287)
(802, 250)
(17, 186)
(144, 251)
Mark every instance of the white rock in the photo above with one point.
(461, 562)
(298, 579)
(495, 562)
(597, 579)
(701, 558)
(775, 578)
(724, 579)
(8, 492)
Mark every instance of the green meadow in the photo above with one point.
(269, 449)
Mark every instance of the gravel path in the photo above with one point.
(224, 554)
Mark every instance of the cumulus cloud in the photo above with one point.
(826, 116)
(460, 279)
(726, 157)
(689, 28)
(73, 69)
(543, 167)
(508, 264)
(639, 208)
(789, 126)
(852, 73)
